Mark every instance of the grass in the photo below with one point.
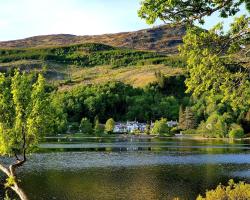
(137, 76)
(73, 65)
(68, 76)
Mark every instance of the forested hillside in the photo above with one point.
(95, 80)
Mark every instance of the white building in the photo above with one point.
(129, 127)
(172, 123)
(132, 126)
(120, 128)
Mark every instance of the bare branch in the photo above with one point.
(5, 170)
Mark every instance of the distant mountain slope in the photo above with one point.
(90, 63)
(163, 39)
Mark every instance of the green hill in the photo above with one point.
(89, 63)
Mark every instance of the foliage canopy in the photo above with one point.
(24, 112)
(188, 11)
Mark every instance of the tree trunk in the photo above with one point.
(19, 192)
(16, 187)
(11, 173)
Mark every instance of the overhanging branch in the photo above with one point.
(4, 170)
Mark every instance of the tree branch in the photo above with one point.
(234, 38)
(5, 170)
(19, 162)
(190, 13)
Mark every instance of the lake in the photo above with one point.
(132, 168)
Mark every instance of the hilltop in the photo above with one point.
(69, 60)
(165, 39)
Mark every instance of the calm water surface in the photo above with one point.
(132, 168)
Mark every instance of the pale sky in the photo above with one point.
(25, 18)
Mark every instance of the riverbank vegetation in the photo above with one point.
(233, 191)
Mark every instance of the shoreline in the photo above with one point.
(189, 137)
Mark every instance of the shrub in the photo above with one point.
(110, 125)
(189, 131)
(136, 132)
(160, 127)
(236, 131)
(73, 127)
(147, 129)
(175, 130)
(215, 126)
(233, 191)
(86, 126)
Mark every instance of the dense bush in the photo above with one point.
(86, 126)
(234, 191)
(89, 54)
(236, 131)
(215, 126)
(189, 131)
(110, 125)
(170, 85)
(160, 127)
(175, 130)
(172, 61)
(73, 127)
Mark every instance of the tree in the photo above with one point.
(215, 126)
(182, 11)
(147, 128)
(57, 115)
(236, 131)
(189, 119)
(160, 127)
(86, 126)
(97, 128)
(23, 120)
(110, 125)
(246, 122)
(213, 65)
(181, 118)
(217, 61)
(171, 85)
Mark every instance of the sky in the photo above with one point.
(25, 18)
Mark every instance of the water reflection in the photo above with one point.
(82, 160)
(144, 144)
(118, 168)
(135, 183)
